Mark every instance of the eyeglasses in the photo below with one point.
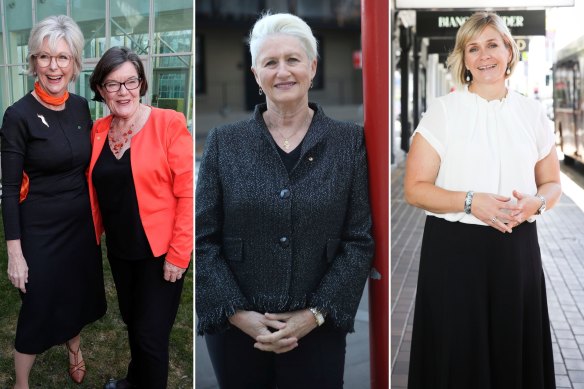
(44, 59)
(114, 86)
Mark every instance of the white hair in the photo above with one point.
(282, 23)
(55, 28)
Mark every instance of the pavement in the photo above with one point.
(562, 247)
(357, 374)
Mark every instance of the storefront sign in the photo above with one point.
(478, 4)
(446, 24)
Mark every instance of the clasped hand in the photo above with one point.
(504, 213)
(275, 332)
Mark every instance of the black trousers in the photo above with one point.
(317, 363)
(148, 305)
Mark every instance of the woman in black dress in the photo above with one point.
(53, 258)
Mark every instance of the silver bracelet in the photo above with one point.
(468, 201)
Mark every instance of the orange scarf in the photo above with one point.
(47, 98)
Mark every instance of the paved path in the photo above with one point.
(561, 237)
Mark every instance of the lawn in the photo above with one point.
(104, 343)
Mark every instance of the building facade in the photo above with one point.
(160, 31)
(223, 77)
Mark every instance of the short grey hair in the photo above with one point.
(55, 28)
(281, 23)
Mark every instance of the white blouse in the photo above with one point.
(486, 146)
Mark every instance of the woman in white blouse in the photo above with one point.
(482, 164)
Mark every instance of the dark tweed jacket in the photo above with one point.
(270, 241)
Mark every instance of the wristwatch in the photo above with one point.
(541, 209)
(318, 316)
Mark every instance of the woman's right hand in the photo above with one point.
(17, 267)
(494, 210)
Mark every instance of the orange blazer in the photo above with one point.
(162, 168)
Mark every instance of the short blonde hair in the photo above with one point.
(55, 28)
(471, 28)
(282, 23)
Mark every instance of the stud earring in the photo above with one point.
(261, 92)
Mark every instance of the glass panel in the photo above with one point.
(21, 82)
(1, 46)
(90, 16)
(129, 24)
(18, 16)
(4, 91)
(171, 86)
(46, 8)
(82, 88)
(173, 26)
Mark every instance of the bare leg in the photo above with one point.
(22, 364)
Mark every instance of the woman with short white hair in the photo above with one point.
(283, 240)
(53, 258)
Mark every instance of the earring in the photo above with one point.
(311, 84)
(468, 75)
(508, 71)
(261, 92)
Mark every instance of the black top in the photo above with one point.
(290, 159)
(270, 240)
(52, 147)
(116, 194)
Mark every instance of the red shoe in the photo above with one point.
(76, 370)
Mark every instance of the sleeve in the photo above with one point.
(432, 127)
(544, 134)
(341, 288)
(13, 136)
(217, 295)
(180, 161)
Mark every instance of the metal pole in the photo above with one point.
(375, 48)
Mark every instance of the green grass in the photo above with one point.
(104, 343)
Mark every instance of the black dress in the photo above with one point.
(65, 288)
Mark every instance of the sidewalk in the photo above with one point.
(561, 239)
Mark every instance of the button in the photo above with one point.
(284, 193)
(284, 242)
(310, 159)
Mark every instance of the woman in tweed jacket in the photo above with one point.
(283, 241)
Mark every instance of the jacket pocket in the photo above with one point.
(233, 249)
(332, 245)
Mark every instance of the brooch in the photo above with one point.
(43, 119)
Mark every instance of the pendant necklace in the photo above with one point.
(286, 142)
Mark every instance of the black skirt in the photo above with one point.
(481, 318)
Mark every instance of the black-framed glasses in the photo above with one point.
(114, 86)
(44, 59)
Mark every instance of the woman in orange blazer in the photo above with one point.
(141, 189)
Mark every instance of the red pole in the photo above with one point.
(375, 48)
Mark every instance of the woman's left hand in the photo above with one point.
(172, 273)
(528, 205)
(298, 324)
